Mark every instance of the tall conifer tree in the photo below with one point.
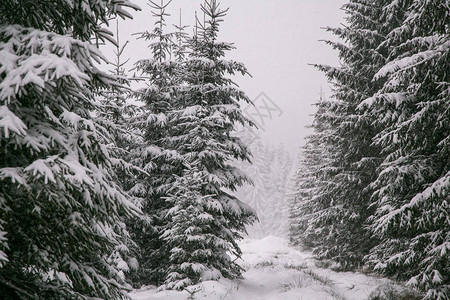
(121, 120)
(310, 200)
(413, 183)
(208, 112)
(388, 148)
(156, 156)
(60, 208)
(353, 158)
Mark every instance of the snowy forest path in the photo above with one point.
(276, 271)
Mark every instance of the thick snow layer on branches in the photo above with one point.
(411, 61)
(9, 122)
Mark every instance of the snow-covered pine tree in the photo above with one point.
(195, 234)
(157, 156)
(353, 157)
(300, 200)
(60, 210)
(214, 102)
(118, 114)
(412, 188)
(122, 120)
(204, 125)
(309, 202)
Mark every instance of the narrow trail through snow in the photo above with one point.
(276, 271)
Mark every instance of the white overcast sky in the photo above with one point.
(276, 40)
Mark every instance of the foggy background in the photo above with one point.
(276, 40)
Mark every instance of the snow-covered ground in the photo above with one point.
(276, 271)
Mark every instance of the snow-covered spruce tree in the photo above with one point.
(119, 116)
(309, 202)
(353, 156)
(122, 121)
(313, 211)
(198, 252)
(158, 155)
(300, 200)
(412, 188)
(60, 210)
(204, 133)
